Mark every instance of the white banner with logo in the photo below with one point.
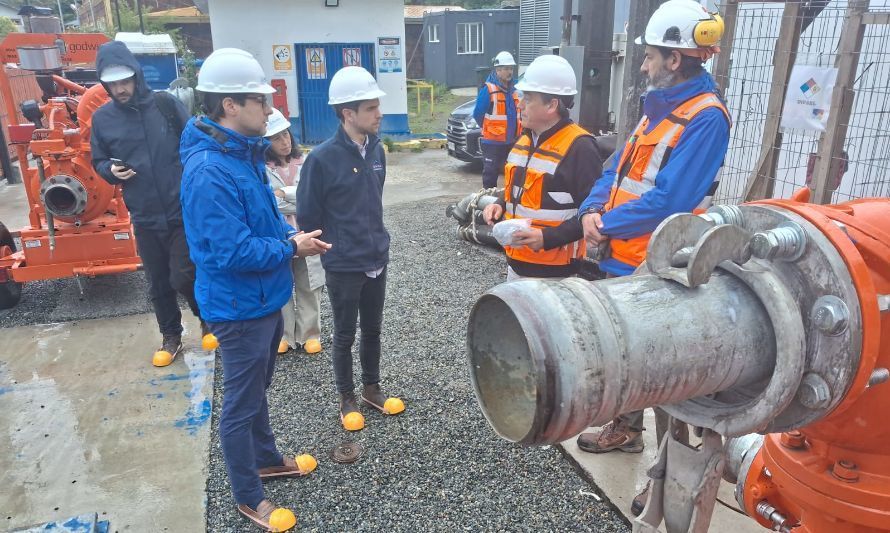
(808, 98)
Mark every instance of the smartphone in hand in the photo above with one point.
(121, 163)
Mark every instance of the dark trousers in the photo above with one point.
(355, 295)
(248, 349)
(165, 258)
(494, 157)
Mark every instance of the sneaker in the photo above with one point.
(612, 436)
(639, 502)
(170, 348)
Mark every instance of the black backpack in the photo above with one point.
(166, 103)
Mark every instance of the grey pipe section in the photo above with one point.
(550, 358)
(480, 234)
(461, 210)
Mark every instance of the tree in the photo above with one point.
(7, 26)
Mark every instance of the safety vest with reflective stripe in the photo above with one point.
(494, 127)
(645, 154)
(532, 190)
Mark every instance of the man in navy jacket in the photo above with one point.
(141, 129)
(242, 248)
(341, 193)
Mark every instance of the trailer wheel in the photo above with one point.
(10, 291)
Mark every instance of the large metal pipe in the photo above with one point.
(550, 358)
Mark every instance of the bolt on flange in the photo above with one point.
(785, 242)
(830, 315)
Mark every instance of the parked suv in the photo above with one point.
(463, 134)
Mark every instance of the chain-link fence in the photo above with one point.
(785, 158)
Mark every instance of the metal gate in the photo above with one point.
(317, 63)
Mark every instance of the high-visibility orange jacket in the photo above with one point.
(536, 189)
(644, 155)
(496, 124)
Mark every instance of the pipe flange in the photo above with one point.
(64, 196)
(730, 413)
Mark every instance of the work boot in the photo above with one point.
(283, 347)
(312, 346)
(170, 348)
(374, 397)
(350, 417)
(612, 436)
(208, 339)
(639, 502)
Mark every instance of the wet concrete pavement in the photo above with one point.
(88, 425)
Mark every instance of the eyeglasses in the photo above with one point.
(264, 100)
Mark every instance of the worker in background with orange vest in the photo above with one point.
(669, 165)
(548, 173)
(497, 114)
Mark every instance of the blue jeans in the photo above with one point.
(248, 349)
(355, 295)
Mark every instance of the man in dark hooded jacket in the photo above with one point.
(135, 143)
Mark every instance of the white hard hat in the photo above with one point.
(504, 59)
(353, 84)
(549, 74)
(683, 24)
(116, 73)
(230, 70)
(277, 123)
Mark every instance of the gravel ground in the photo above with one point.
(59, 300)
(438, 466)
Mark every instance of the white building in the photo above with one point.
(302, 43)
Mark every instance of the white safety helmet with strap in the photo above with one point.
(277, 123)
(504, 59)
(684, 25)
(353, 84)
(230, 70)
(549, 74)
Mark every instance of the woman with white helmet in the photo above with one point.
(302, 321)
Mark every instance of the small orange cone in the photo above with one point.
(353, 421)
(282, 519)
(209, 342)
(393, 406)
(162, 358)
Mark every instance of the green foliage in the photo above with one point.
(390, 144)
(7, 26)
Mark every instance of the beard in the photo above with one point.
(662, 79)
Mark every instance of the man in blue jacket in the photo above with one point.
(242, 248)
(668, 165)
(497, 114)
(341, 193)
(140, 129)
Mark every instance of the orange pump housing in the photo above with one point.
(833, 476)
(98, 238)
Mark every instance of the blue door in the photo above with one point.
(317, 63)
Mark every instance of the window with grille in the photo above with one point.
(433, 32)
(469, 38)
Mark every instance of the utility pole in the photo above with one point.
(634, 81)
(595, 34)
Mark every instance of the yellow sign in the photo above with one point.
(281, 57)
(316, 66)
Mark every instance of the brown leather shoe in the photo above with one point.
(639, 502)
(290, 468)
(374, 397)
(348, 404)
(612, 436)
(263, 513)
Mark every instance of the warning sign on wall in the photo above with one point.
(316, 66)
(281, 57)
(352, 57)
(389, 54)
